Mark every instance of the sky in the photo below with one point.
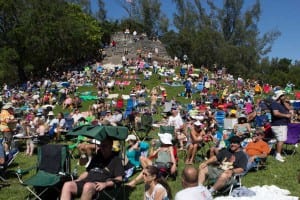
(281, 15)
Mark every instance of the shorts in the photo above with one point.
(280, 132)
(93, 176)
(214, 173)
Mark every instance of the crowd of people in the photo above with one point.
(215, 98)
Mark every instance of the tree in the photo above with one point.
(101, 12)
(49, 33)
(148, 13)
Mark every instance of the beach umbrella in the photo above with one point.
(100, 132)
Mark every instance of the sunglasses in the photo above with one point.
(145, 174)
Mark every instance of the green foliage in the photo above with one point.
(46, 33)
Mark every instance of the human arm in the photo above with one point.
(102, 185)
(173, 160)
(212, 159)
(160, 193)
(82, 176)
(279, 114)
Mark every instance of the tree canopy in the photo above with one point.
(35, 35)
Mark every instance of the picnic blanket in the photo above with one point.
(125, 83)
(174, 84)
(264, 192)
(88, 97)
(112, 96)
(125, 96)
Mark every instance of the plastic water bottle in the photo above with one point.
(19, 171)
(75, 172)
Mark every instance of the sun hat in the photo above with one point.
(131, 137)
(165, 138)
(278, 94)
(197, 123)
(51, 113)
(198, 117)
(7, 106)
(242, 116)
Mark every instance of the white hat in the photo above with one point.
(7, 106)
(165, 138)
(278, 94)
(197, 123)
(198, 117)
(50, 113)
(131, 137)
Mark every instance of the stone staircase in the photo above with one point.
(133, 45)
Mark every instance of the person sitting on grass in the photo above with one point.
(156, 188)
(165, 157)
(194, 140)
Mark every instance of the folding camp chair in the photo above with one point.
(293, 137)
(8, 160)
(146, 126)
(53, 169)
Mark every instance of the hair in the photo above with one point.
(159, 178)
(190, 176)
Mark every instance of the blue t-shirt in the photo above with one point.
(279, 121)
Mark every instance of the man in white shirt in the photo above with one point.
(192, 191)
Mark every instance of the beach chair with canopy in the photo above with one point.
(98, 132)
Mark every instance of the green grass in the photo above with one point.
(283, 175)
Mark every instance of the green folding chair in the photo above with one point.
(146, 126)
(52, 170)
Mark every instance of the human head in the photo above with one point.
(242, 119)
(106, 147)
(131, 139)
(278, 95)
(189, 177)
(258, 135)
(152, 173)
(235, 143)
(197, 125)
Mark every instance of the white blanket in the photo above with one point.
(265, 192)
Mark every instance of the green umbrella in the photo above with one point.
(100, 132)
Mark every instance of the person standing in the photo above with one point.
(191, 189)
(281, 116)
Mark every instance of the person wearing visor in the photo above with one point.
(232, 161)
(195, 138)
(281, 116)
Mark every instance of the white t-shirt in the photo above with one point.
(194, 193)
(175, 121)
(152, 195)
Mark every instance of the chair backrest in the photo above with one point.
(293, 134)
(146, 120)
(69, 123)
(53, 158)
(167, 129)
